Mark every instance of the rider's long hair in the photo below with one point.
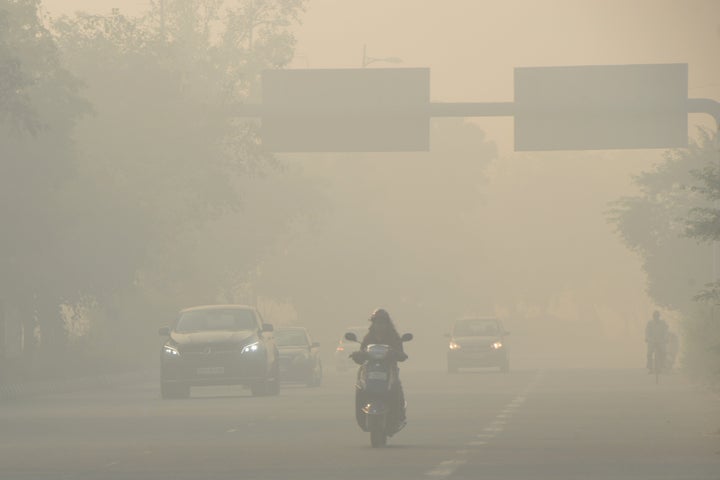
(382, 327)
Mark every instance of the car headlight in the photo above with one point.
(253, 347)
(496, 345)
(171, 351)
(454, 346)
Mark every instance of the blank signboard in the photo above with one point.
(601, 107)
(348, 110)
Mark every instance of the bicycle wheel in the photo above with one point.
(659, 364)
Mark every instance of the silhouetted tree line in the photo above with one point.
(120, 158)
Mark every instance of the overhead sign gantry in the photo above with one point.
(555, 108)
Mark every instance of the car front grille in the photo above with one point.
(210, 348)
(476, 348)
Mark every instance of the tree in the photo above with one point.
(704, 222)
(40, 105)
(655, 225)
(163, 159)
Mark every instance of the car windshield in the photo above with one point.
(476, 327)
(231, 319)
(290, 338)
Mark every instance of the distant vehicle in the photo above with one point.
(219, 345)
(299, 356)
(478, 342)
(344, 348)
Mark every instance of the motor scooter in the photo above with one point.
(376, 390)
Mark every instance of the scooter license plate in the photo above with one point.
(377, 375)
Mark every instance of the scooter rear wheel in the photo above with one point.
(378, 438)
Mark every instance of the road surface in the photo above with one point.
(528, 424)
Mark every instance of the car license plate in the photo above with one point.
(211, 370)
(478, 356)
(377, 376)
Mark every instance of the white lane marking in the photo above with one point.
(445, 468)
(448, 467)
(477, 443)
(112, 464)
(232, 430)
(501, 418)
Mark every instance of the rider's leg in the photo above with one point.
(661, 356)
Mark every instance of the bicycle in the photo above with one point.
(657, 363)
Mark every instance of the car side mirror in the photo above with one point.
(315, 345)
(351, 337)
(164, 331)
(267, 327)
(406, 337)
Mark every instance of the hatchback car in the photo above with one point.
(219, 345)
(344, 348)
(478, 342)
(299, 356)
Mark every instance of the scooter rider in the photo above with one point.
(383, 331)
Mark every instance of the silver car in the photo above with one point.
(478, 342)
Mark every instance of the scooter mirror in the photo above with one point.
(351, 337)
(406, 337)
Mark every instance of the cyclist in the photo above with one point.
(656, 337)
